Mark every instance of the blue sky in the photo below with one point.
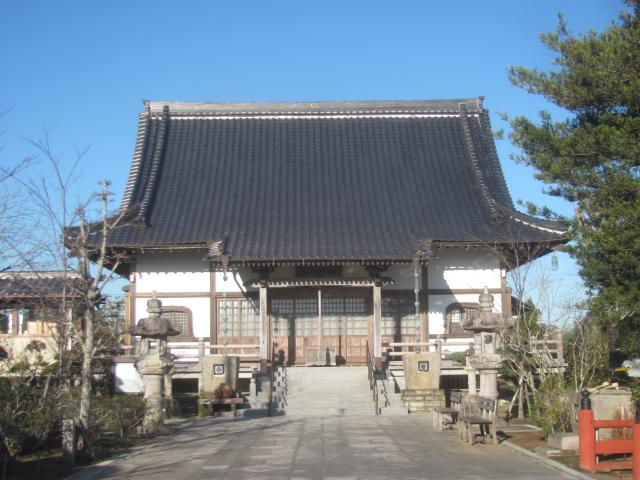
(81, 69)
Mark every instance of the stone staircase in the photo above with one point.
(390, 402)
(325, 391)
(328, 391)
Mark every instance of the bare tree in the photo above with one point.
(88, 241)
(73, 240)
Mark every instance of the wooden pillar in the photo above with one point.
(130, 319)
(213, 307)
(15, 321)
(264, 324)
(505, 300)
(424, 306)
(377, 320)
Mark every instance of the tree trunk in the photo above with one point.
(86, 376)
(521, 401)
(5, 460)
(68, 441)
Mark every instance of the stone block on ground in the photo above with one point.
(548, 452)
(563, 441)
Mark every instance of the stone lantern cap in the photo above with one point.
(154, 326)
(485, 320)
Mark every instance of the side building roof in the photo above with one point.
(320, 181)
(39, 286)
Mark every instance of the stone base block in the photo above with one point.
(549, 452)
(563, 441)
(423, 400)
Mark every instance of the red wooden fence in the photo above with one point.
(590, 448)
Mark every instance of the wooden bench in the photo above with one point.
(212, 403)
(486, 421)
(439, 419)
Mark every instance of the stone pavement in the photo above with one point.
(318, 448)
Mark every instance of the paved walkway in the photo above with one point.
(319, 448)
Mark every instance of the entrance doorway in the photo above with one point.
(321, 329)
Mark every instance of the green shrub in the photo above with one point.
(459, 357)
(119, 414)
(552, 406)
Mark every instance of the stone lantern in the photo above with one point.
(485, 357)
(154, 361)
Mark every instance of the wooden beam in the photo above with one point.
(173, 294)
(461, 291)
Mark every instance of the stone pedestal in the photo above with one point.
(422, 371)
(489, 384)
(488, 365)
(153, 367)
(219, 369)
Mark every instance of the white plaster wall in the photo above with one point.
(438, 305)
(171, 272)
(460, 268)
(200, 308)
(127, 379)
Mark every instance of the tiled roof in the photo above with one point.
(340, 180)
(35, 285)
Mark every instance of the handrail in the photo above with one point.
(371, 373)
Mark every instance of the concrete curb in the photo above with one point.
(553, 463)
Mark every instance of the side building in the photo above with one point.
(320, 227)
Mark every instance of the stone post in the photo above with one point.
(471, 377)
(168, 392)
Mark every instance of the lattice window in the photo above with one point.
(355, 313)
(302, 311)
(332, 309)
(180, 319)
(456, 314)
(306, 317)
(340, 314)
(238, 317)
(398, 313)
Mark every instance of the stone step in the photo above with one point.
(394, 411)
(336, 391)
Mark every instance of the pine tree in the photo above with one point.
(592, 158)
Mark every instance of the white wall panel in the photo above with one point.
(172, 272)
(460, 268)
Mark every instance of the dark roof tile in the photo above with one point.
(293, 181)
